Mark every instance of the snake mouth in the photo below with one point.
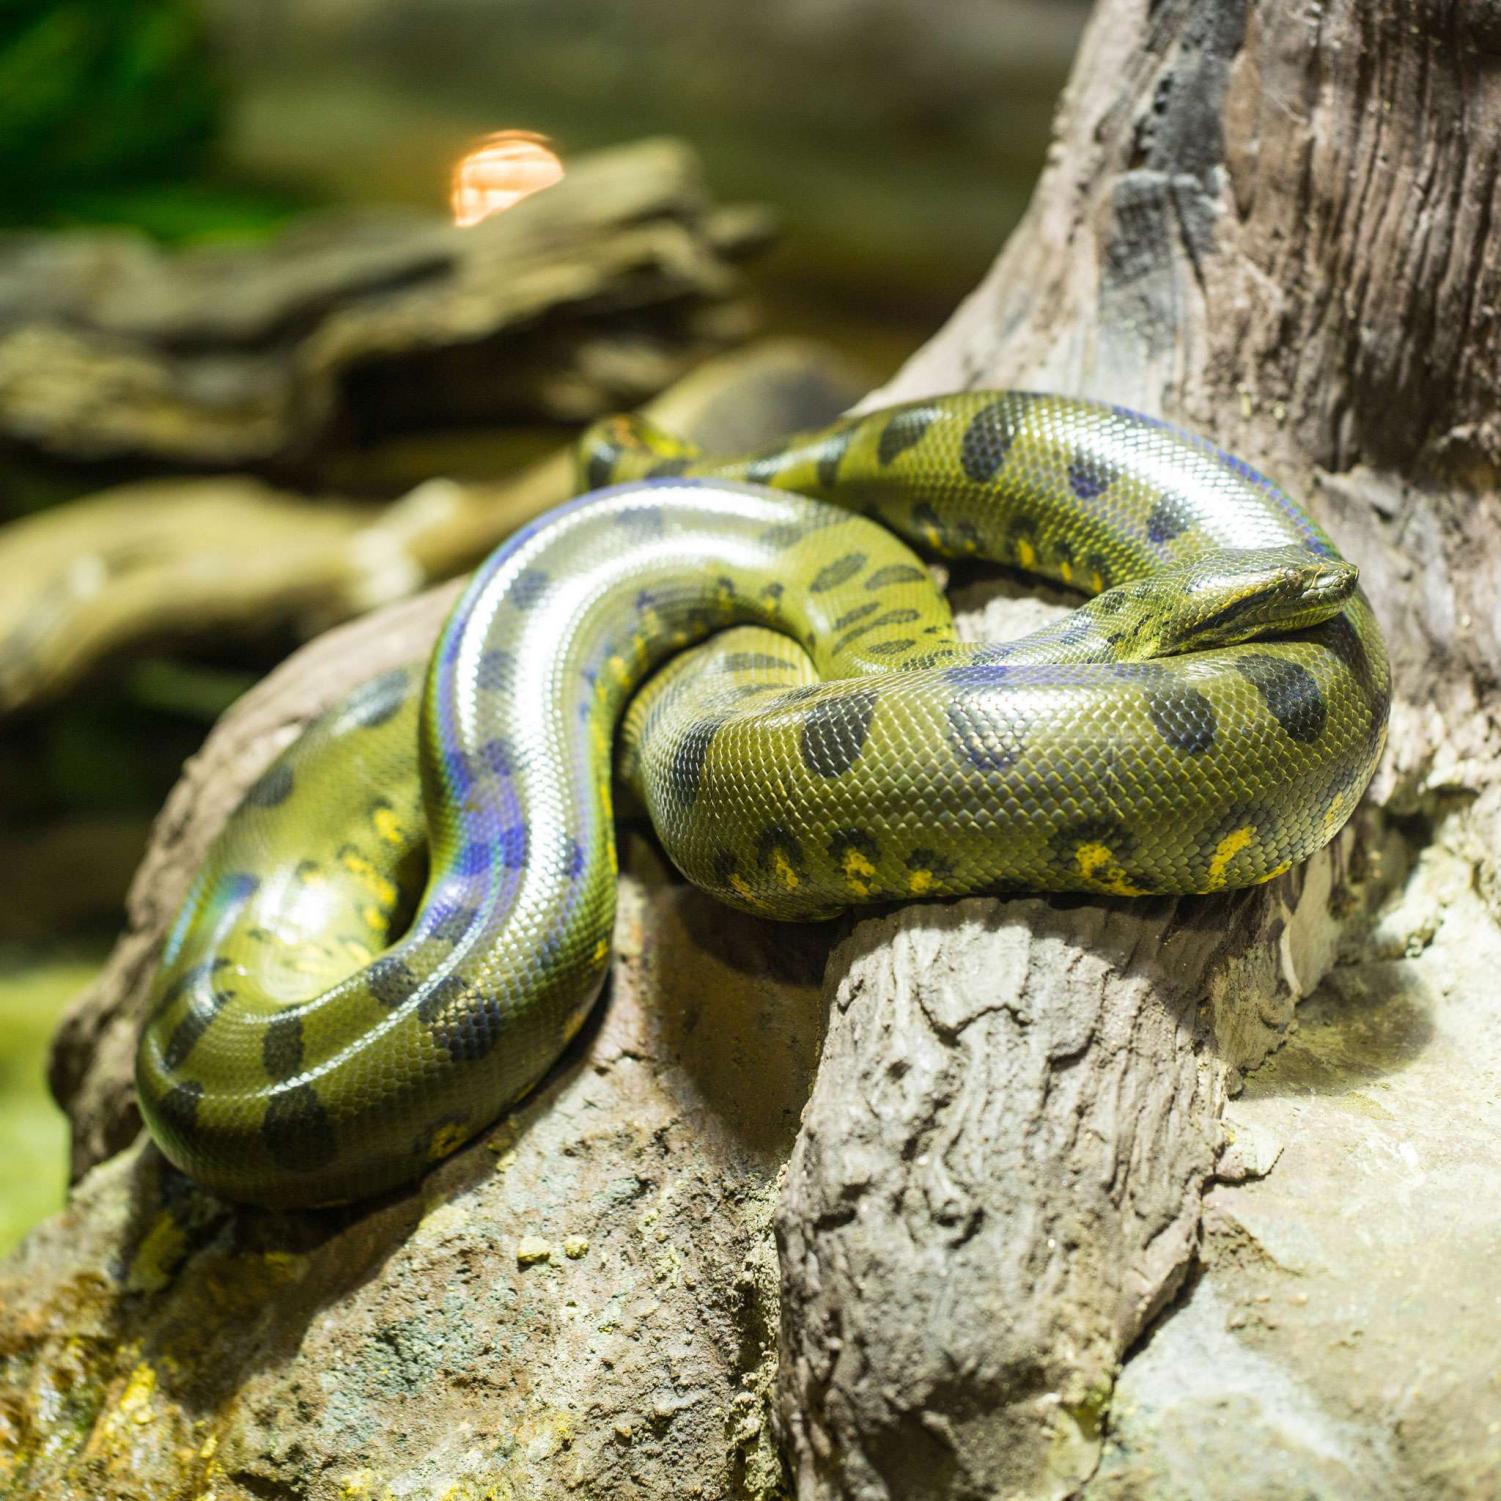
(1331, 582)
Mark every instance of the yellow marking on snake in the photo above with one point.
(1225, 851)
(858, 872)
(1098, 866)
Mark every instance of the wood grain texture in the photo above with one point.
(1275, 224)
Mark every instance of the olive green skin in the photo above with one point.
(1210, 717)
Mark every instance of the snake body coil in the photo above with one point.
(1209, 717)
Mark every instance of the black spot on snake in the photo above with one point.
(690, 753)
(1230, 612)
(464, 1023)
(459, 770)
(756, 661)
(977, 675)
(496, 755)
(1184, 717)
(860, 612)
(903, 616)
(840, 571)
(1089, 477)
(834, 731)
(201, 1013)
(1179, 712)
(1168, 520)
(527, 588)
(1290, 692)
(449, 924)
(573, 858)
(904, 429)
(600, 469)
(952, 537)
(513, 846)
(831, 455)
(1101, 833)
(780, 537)
(668, 468)
(854, 841)
(893, 648)
(380, 699)
(297, 1132)
(896, 573)
(933, 862)
(281, 1046)
(236, 889)
(987, 442)
(776, 841)
(178, 1108)
(273, 788)
(390, 981)
(989, 742)
(763, 469)
(1341, 637)
(725, 867)
(196, 975)
(494, 671)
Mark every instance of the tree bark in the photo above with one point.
(1273, 222)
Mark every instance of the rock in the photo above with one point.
(591, 296)
(1007, 1170)
(1340, 1339)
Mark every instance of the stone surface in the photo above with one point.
(1340, 1339)
(588, 297)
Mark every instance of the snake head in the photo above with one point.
(1234, 595)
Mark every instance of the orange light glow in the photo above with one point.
(500, 171)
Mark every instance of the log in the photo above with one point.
(1274, 223)
(1047, 1222)
(160, 562)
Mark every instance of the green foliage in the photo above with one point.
(100, 94)
(109, 110)
(33, 1131)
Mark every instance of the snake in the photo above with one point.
(409, 916)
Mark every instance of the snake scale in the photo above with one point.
(822, 738)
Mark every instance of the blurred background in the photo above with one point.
(240, 340)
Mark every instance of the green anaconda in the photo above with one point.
(1210, 716)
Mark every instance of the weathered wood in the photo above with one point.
(158, 562)
(1274, 223)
